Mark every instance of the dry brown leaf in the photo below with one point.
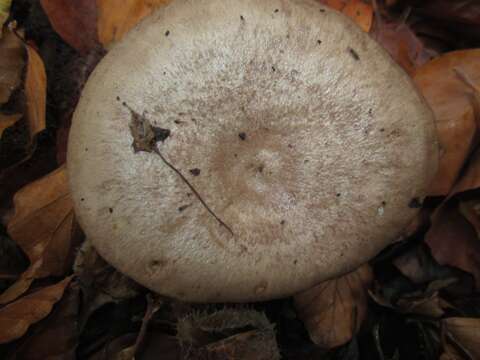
(451, 353)
(16, 318)
(402, 44)
(35, 92)
(100, 282)
(470, 209)
(42, 226)
(75, 21)
(454, 242)
(241, 334)
(432, 306)
(471, 178)
(115, 20)
(451, 100)
(334, 310)
(8, 120)
(57, 336)
(465, 332)
(11, 63)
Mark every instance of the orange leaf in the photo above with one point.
(35, 92)
(75, 21)
(8, 120)
(11, 64)
(357, 10)
(16, 318)
(115, 20)
(452, 101)
(42, 226)
(334, 310)
(361, 13)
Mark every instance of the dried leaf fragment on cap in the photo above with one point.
(16, 318)
(334, 310)
(42, 225)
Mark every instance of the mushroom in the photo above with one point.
(230, 151)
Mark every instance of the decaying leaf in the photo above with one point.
(222, 335)
(16, 318)
(401, 43)
(56, 337)
(115, 21)
(361, 13)
(42, 226)
(11, 63)
(358, 10)
(453, 104)
(8, 120)
(454, 242)
(74, 21)
(35, 92)
(4, 12)
(100, 283)
(334, 310)
(470, 209)
(465, 332)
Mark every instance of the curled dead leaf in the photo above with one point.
(466, 333)
(334, 310)
(74, 21)
(100, 283)
(11, 63)
(115, 21)
(42, 225)
(16, 318)
(453, 104)
(8, 120)
(454, 242)
(222, 335)
(56, 337)
(35, 92)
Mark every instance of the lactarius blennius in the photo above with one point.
(243, 150)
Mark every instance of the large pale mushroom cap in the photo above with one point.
(304, 139)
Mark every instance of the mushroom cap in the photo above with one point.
(309, 147)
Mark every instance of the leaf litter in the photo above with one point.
(424, 287)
